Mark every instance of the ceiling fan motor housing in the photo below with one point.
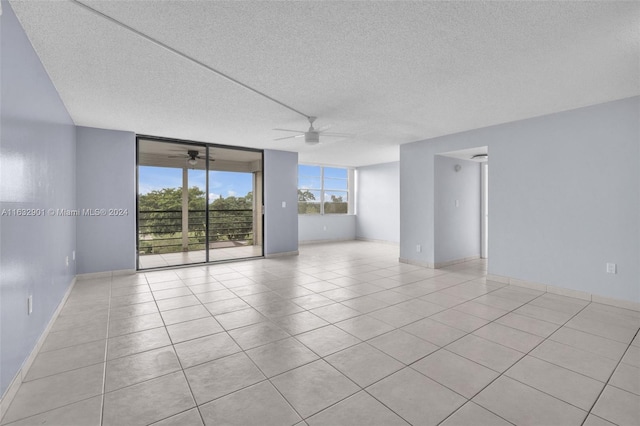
(312, 138)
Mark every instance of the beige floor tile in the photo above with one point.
(481, 310)
(364, 327)
(221, 377)
(395, 316)
(632, 357)
(544, 314)
(626, 377)
(189, 313)
(359, 409)
(459, 320)
(593, 420)
(73, 337)
(259, 405)
(416, 398)
(455, 372)
(594, 325)
(335, 312)
(186, 418)
(280, 356)
(364, 364)
(559, 382)
(204, 349)
(193, 329)
(133, 310)
(300, 322)
(618, 406)
(589, 342)
(528, 324)
(225, 306)
(240, 318)
(403, 346)
(327, 340)
(216, 296)
(257, 335)
(177, 302)
(509, 337)
(66, 359)
(313, 387)
(279, 309)
(434, 332)
(473, 414)
(365, 304)
(524, 405)
(132, 369)
(140, 341)
(498, 302)
(38, 396)
(148, 402)
(83, 413)
(122, 326)
(485, 352)
(443, 299)
(587, 363)
(171, 293)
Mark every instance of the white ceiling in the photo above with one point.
(388, 72)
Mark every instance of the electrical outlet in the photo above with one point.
(611, 268)
(66, 261)
(284, 204)
(457, 203)
(29, 305)
(418, 248)
(73, 255)
(324, 228)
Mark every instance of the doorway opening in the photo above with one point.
(197, 203)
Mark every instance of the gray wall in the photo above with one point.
(280, 185)
(564, 197)
(37, 171)
(106, 168)
(328, 227)
(378, 202)
(456, 228)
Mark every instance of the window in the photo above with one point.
(323, 190)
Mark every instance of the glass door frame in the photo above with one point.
(207, 146)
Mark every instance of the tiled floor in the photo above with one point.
(341, 335)
(149, 261)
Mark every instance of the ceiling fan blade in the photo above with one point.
(178, 156)
(289, 137)
(289, 130)
(338, 135)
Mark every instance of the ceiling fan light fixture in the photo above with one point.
(192, 161)
(312, 138)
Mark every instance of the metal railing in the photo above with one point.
(160, 231)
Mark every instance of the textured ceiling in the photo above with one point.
(387, 72)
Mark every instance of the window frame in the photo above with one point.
(349, 191)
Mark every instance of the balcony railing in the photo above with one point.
(161, 231)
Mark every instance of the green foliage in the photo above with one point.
(161, 220)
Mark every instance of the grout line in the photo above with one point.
(610, 376)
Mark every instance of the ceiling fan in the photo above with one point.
(312, 136)
(192, 157)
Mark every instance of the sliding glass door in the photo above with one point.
(197, 203)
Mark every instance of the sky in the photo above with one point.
(225, 184)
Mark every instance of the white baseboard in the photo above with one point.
(373, 240)
(13, 388)
(416, 263)
(562, 291)
(106, 274)
(333, 240)
(439, 265)
(282, 254)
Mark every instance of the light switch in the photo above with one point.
(284, 204)
(457, 203)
